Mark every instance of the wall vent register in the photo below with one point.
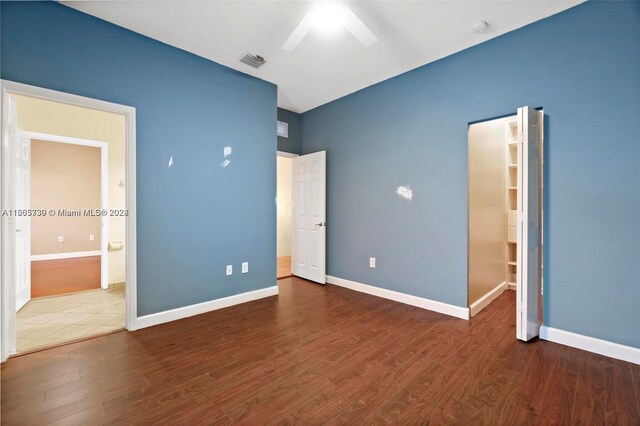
(283, 129)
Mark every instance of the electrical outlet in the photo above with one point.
(60, 239)
(245, 267)
(229, 269)
(92, 237)
(372, 262)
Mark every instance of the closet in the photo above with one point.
(505, 215)
(511, 201)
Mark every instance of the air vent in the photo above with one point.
(283, 129)
(253, 61)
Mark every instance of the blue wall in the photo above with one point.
(292, 143)
(583, 67)
(193, 218)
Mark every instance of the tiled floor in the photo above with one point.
(48, 321)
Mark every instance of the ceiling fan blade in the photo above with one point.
(359, 29)
(299, 33)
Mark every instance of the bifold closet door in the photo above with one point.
(529, 277)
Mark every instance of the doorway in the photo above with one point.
(284, 213)
(302, 216)
(505, 215)
(69, 245)
(68, 254)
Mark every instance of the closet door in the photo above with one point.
(529, 278)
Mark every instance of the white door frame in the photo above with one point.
(286, 154)
(7, 256)
(104, 190)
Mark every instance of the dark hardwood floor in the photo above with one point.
(62, 276)
(321, 354)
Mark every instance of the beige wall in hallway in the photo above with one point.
(55, 118)
(284, 206)
(487, 207)
(64, 176)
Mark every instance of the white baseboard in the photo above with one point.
(431, 305)
(201, 308)
(511, 286)
(591, 344)
(481, 303)
(56, 256)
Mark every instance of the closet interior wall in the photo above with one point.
(491, 212)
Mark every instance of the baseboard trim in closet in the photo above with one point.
(481, 303)
(420, 302)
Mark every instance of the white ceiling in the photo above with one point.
(322, 68)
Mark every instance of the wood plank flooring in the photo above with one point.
(284, 267)
(321, 354)
(62, 276)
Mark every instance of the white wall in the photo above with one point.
(284, 206)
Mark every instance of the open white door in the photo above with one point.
(22, 194)
(529, 276)
(8, 311)
(308, 255)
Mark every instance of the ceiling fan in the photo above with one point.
(327, 18)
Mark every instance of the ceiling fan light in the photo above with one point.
(328, 18)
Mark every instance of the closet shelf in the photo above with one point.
(511, 170)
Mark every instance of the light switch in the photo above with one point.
(245, 267)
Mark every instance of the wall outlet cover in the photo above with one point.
(92, 237)
(60, 239)
(372, 262)
(229, 269)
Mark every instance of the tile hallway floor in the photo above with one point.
(49, 321)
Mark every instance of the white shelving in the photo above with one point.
(511, 194)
